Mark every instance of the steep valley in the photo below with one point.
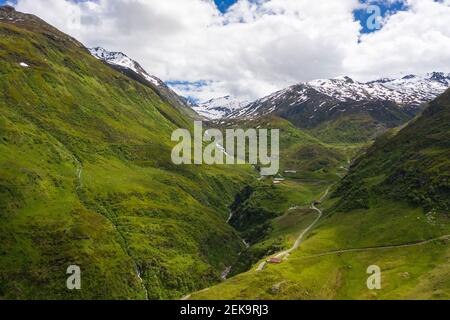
(86, 179)
(391, 211)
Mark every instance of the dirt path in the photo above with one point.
(406, 245)
(299, 240)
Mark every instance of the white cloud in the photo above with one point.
(413, 41)
(255, 49)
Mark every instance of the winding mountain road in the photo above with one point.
(299, 240)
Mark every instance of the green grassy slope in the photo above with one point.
(391, 210)
(308, 167)
(354, 128)
(411, 165)
(86, 179)
(302, 152)
(269, 217)
(318, 270)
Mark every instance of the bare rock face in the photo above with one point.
(386, 102)
(7, 8)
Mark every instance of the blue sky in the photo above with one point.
(360, 15)
(385, 8)
(223, 5)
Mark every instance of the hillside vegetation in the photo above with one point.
(391, 211)
(411, 165)
(86, 179)
(302, 155)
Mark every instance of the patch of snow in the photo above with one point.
(220, 108)
(121, 59)
(409, 91)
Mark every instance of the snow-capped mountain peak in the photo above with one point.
(219, 108)
(440, 77)
(122, 60)
(129, 67)
(417, 88)
(409, 92)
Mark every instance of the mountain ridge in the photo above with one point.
(86, 179)
(124, 64)
(121, 59)
(219, 108)
(410, 165)
(344, 110)
(391, 210)
(408, 92)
